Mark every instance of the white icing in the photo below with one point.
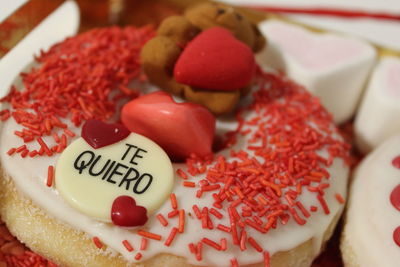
(31, 180)
(371, 218)
(330, 66)
(378, 115)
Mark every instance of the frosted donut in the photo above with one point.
(371, 235)
(271, 196)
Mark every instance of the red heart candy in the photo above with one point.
(179, 128)
(98, 134)
(215, 60)
(125, 212)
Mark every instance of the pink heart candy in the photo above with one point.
(179, 128)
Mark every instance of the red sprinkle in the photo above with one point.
(266, 259)
(44, 146)
(216, 213)
(339, 198)
(143, 244)
(149, 235)
(224, 244)
(20, 149)
(69, 133)
(138, 256)
(313, 208)
(234, 262)
(196, 211)
(192, 248)
(182, 174)
(255, 245)
(199, 251)
(181, 221)
(24, 153)
(189, 184)
(224, 228)
(127, 245)
(162, 220)
(11, 151)
(211, 243)
(97, 242)
(50, 176)
(173, 213)
(174, 203)
(171, 236)
(323, 204)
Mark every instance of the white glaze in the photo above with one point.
(371, 218)
(31, 180)
(332, 67)
(378, 116)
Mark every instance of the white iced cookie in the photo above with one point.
(378, 116)
(109, 162)
(371, 234)
(330, 66)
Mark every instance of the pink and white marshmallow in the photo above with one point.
(332, 67)
(378, 117)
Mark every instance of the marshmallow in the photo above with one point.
(378, 116)
(332, 67)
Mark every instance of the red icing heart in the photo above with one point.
(396, 236)
(215, 60)
(395, 197)
(125, 212)
(98, 134)
(396, 162)
(179, 128)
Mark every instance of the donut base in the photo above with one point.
(64, 245)
(348, 255)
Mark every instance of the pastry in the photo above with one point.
(371, 235)
(84, 192)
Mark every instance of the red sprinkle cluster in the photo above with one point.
(13, 253)
(81, 78)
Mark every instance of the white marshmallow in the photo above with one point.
(378, 116)
(330, 66)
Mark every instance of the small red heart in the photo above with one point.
(215, 60)
(98, 134)
(179, 128)
(125, 212)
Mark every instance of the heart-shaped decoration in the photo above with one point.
(99, 134)
(125, 212)
(215, 60)
(332, 67)
(395, 197)
(179, 128)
